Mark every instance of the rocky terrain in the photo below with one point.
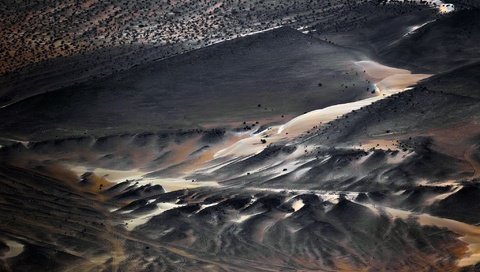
(239, 136)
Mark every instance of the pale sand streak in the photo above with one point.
(387, 80)
(15, 249)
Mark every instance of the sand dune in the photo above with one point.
(387, 81)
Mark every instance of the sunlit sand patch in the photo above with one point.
(296, 205)
(204, 206)
(387, 80)
(249, 145)
(24, 143)
(396, 83)
(174, 184)
(15, 249)
(285, 164)
(313, 119)
(325, 195)
(244, 217)
(301, 172)
(109, 174)
(440, 5)
(449, 182)
(212, 167)
(142, 219)
(181, 151)
(446, 8)
(376, 72)
(192, 155)
(414, 28)
(334, 196)
(442, 196)
(266, 121)
(289, 166)
(187, 157)
(246, 33)
(383, 144)
(214, 149)
(168, 184)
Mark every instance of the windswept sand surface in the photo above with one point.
(387, 81)
(174, 162)
(238, 146)
(204, 161)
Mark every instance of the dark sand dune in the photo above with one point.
(407, 113)
(450, 42)
(461, 81)
(266, 227)
(454, 206)
(95, 53)
(243, 80)
(62, 72)
(370, 27)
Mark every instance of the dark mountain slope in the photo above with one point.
(264, 75)
(462, 81)
(449, 42)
